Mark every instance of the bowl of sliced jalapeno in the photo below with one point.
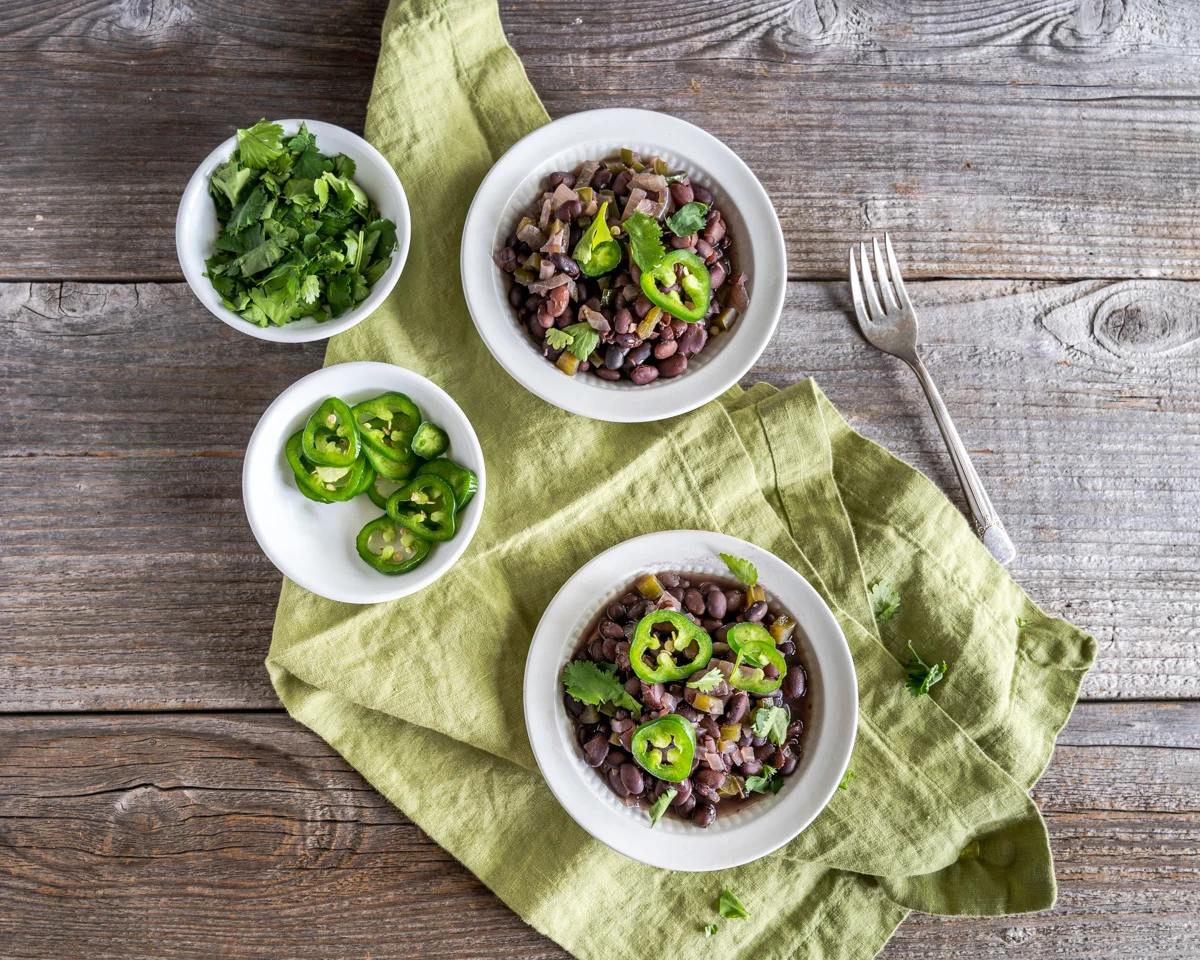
(691, 700)
(363, 482)
(623, 264)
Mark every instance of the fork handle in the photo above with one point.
(987, 521)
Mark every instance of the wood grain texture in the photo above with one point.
(1025, 138)
(181, 836)
(130, 580)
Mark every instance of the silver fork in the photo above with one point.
(892, 327)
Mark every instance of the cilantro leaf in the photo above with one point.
(583, 339)
(1022, 623)
(711, 929)
(885, 601)
(259, 145)
(558, 339)
(645, 240)
(344, 166)
(922, 676)
(301, 140)
(688, 219)
(730, 907)
(310, 288)
(845, 784)
(761, 783)
(744, 570)
(589, 683)
(772, 723)
(249, 210)
(230, 178)
(311, 164)
(659, 807)
(708, 682)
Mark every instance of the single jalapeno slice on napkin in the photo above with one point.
(330, 438)
(665, 747)
(754, 655)
(463, 481)
(686, 635)
(387, 425)
(597, 253)
(425, 505)
(430, 441)
(390, 548)
(695, 282)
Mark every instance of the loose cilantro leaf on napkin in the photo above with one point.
(744, 570)
(922, 676)
(730, 907)
(688, 219)
(659, 806)
(558, 339)
(1022, 623)
(772, 723)
(645, 240)
(298, 238)
(711, 929)
(589, 683)
(885, 601)
(583, 339)
(762, 783)
(845, 784)
(708, 682)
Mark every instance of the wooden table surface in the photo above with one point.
(1037, 161)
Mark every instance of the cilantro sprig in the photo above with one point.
(731, 907)
(921, 675)
(298, 237)
(772, 723)
(766, 781)
(744, 570)
(590, 683)
(659, 806)
(645, 240)
(709, 682)
(885, 601)
(579, 338)
(688, 219)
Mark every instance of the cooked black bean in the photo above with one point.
(614, 356)
(569, 210)
(616, 758)
(794, 682)
(616, 611)
(756, 612)
(789, 766)
(694, 602)
(615, 782)
(738, 707)
(717, 605)
(704, 814)
(596, 750)
(672, 366)
(702, 195)
(631, 777)
(643, 374)
(609, 648)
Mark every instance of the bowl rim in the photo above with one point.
(193, 272)
(589, 802)
(334, 380)
(509, 344)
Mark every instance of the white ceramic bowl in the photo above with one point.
(517, 179)
(196, 230)
(313, 543)
(734, 838)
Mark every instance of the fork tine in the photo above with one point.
(877, 313)
(860, 308)
(895, 271)
(885, 288)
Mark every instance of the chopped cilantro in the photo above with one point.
(645, 240)
(885, 601)
(762, 783)
(921, 675)
(772, 723)
(558, 339)
(659, 807)
(589, 683)
(708, 682)
(711, 929)
(744, 570)
(298, 237)
(1022, 623)
(845, 784)
(688, 219)
(730, 907)
(583, 339)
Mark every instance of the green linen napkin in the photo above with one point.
(423, 696)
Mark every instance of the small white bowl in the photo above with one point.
(196, 230)
(517, 179)
(313, 543)
(734, 838)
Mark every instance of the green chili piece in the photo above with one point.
(695, 283)
(425, 505)
(330, 438)
(753, 655)
(597, 252)
(463, 481)
(390, 548)
(666, 669)
(430, 441)
(665, 747)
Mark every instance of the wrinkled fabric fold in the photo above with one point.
(423, 695)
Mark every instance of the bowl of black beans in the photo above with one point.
(691, 700)
(623, 264)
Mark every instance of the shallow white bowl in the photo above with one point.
(734, 838)
(196, 230)
(313, 543)
(507, 193)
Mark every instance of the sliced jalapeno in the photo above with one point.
(665, 669)
(694, 282)
(665, 747)
(430, 441)
(330, 438)
(380, 489)
(424, 505)
(463, 481)
(752, 657)
(387, 424)
(389, 467)
(390, 548)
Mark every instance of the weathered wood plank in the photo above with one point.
(130, 580)
(1033, 138)
(180, 835)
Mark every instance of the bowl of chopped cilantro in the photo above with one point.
(293, 230)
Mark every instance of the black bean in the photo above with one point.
(716, 604)
(639, 354)
(672, 366)
(714, 232)
(684, 788)
(794, 682)
(596, 750)
(569, 211)
(795, 728)
(694, 602)
(565, 264)
(516, 295)
(704, 814)
(738, 707)
(685, 808)
(668, 579)
(709, 624)
(642, 305)
(693, 339)
(623, 321)
(756, 612)
(676, 592)
(630, 627)
(574, 707)
(557, 177)
(616, 611)
(630, 341)
(633, 686)
(720, 647)
(614, 356)
(617, 785)
(764, 751)
(682, 193)
(616, 759)
(751, 768)
(789, 766)
(702, 195)
(644, 374)
(596, 650)
(623, 650)
(609, 647)
(710, 726)
(710, 780)
(716, 276)
(631, 776)
(770, 671)
(602, 178)
(734, 600)
(786, 649)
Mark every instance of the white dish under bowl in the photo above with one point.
(742, 835)
(313, 543)
(197, 228)
(509, 191)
